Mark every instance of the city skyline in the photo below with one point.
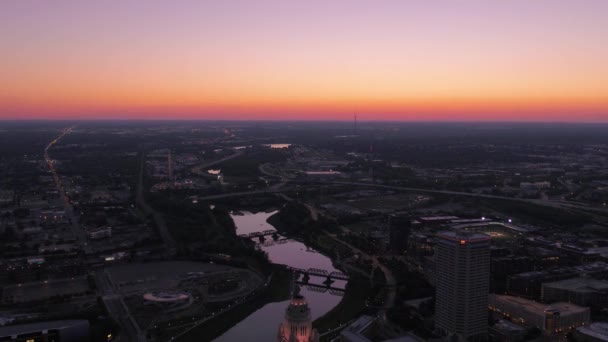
(276, 60)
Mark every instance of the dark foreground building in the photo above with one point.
(462, 283)
(51, 331)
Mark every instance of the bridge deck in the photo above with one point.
(321, 273)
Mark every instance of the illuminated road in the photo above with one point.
(77, 231)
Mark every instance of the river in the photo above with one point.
(263, 324)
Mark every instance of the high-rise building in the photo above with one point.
(462, 276)
(297, 326)
(399, 230)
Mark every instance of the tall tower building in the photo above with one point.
(462, 262)
(297, 326)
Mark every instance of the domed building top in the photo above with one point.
(297, 325)
(298, 310)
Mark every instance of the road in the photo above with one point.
(163, 230)
(263, 169)
(77, 231)
(246, 193)
(391, 287)
(548, 203)
(391, 282)
(202, 169)
(117, 309)
(314, 213)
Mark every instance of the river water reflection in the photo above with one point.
(263, 324)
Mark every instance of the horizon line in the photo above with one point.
(359, 120)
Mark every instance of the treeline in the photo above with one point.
(198, 229)
(295, 219)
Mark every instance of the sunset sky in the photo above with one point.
(539, 60)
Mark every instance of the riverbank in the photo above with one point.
(358, 288)
(279, 289)
(349, 308)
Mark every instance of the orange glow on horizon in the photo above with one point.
(481, 60)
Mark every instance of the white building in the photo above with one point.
(462, 279)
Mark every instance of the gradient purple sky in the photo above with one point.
(387, 60)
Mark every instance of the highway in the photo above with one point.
(548, 203)
(77, 231)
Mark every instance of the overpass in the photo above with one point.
(547, 203)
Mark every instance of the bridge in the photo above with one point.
(336, 291)
(273, 242)
(258, 234)
(320, 273)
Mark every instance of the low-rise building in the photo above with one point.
(52, 216)
(506, 331)
(595, 332)
(357, 331)
(550, 319)
(529, 284)
(7, 198)
(535, 185)
(99, 233)
(583, 291)
(64, 331)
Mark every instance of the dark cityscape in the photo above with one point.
(226, 231)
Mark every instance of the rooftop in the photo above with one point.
(463, 237)
(354, 332)
(505, 326)
(536, 307)
(599, 330)
(19, 329)
(581, 284)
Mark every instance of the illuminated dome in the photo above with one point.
(297, 326)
